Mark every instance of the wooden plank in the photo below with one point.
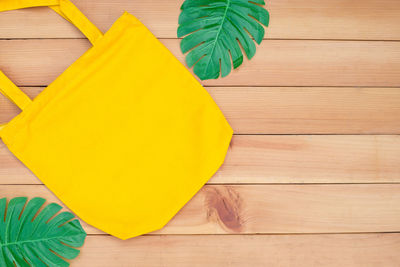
(243, 250)
(282, 159)
(309, 19)
(295, 110)
(277, 110)
(277, 62)
(251, 209)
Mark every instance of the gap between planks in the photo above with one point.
(265, 39)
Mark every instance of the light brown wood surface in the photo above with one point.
(244, 250)
(277, 62)
(266, 209)
(312, 177)
(294, 110)
(290, 19)
(260, 159)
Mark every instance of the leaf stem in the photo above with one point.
(219, 31)
(35, 240)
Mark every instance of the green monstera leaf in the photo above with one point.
(215, 31)
(27, 239)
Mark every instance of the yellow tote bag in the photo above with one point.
(125, 136)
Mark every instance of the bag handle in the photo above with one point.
(12, 92)
(63, 7)
(68, 11)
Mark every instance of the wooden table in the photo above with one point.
(312, 177)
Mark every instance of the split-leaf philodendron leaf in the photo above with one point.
(31, 239)
(214, 29)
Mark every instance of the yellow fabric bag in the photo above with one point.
(125, 136)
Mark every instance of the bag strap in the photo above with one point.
(63, 7)
(12, 92)
(68, 11)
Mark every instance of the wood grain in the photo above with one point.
(291, 19)
(294, 110)
(282, 159)
(266, 209)
(367, 250)
(277, 62)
